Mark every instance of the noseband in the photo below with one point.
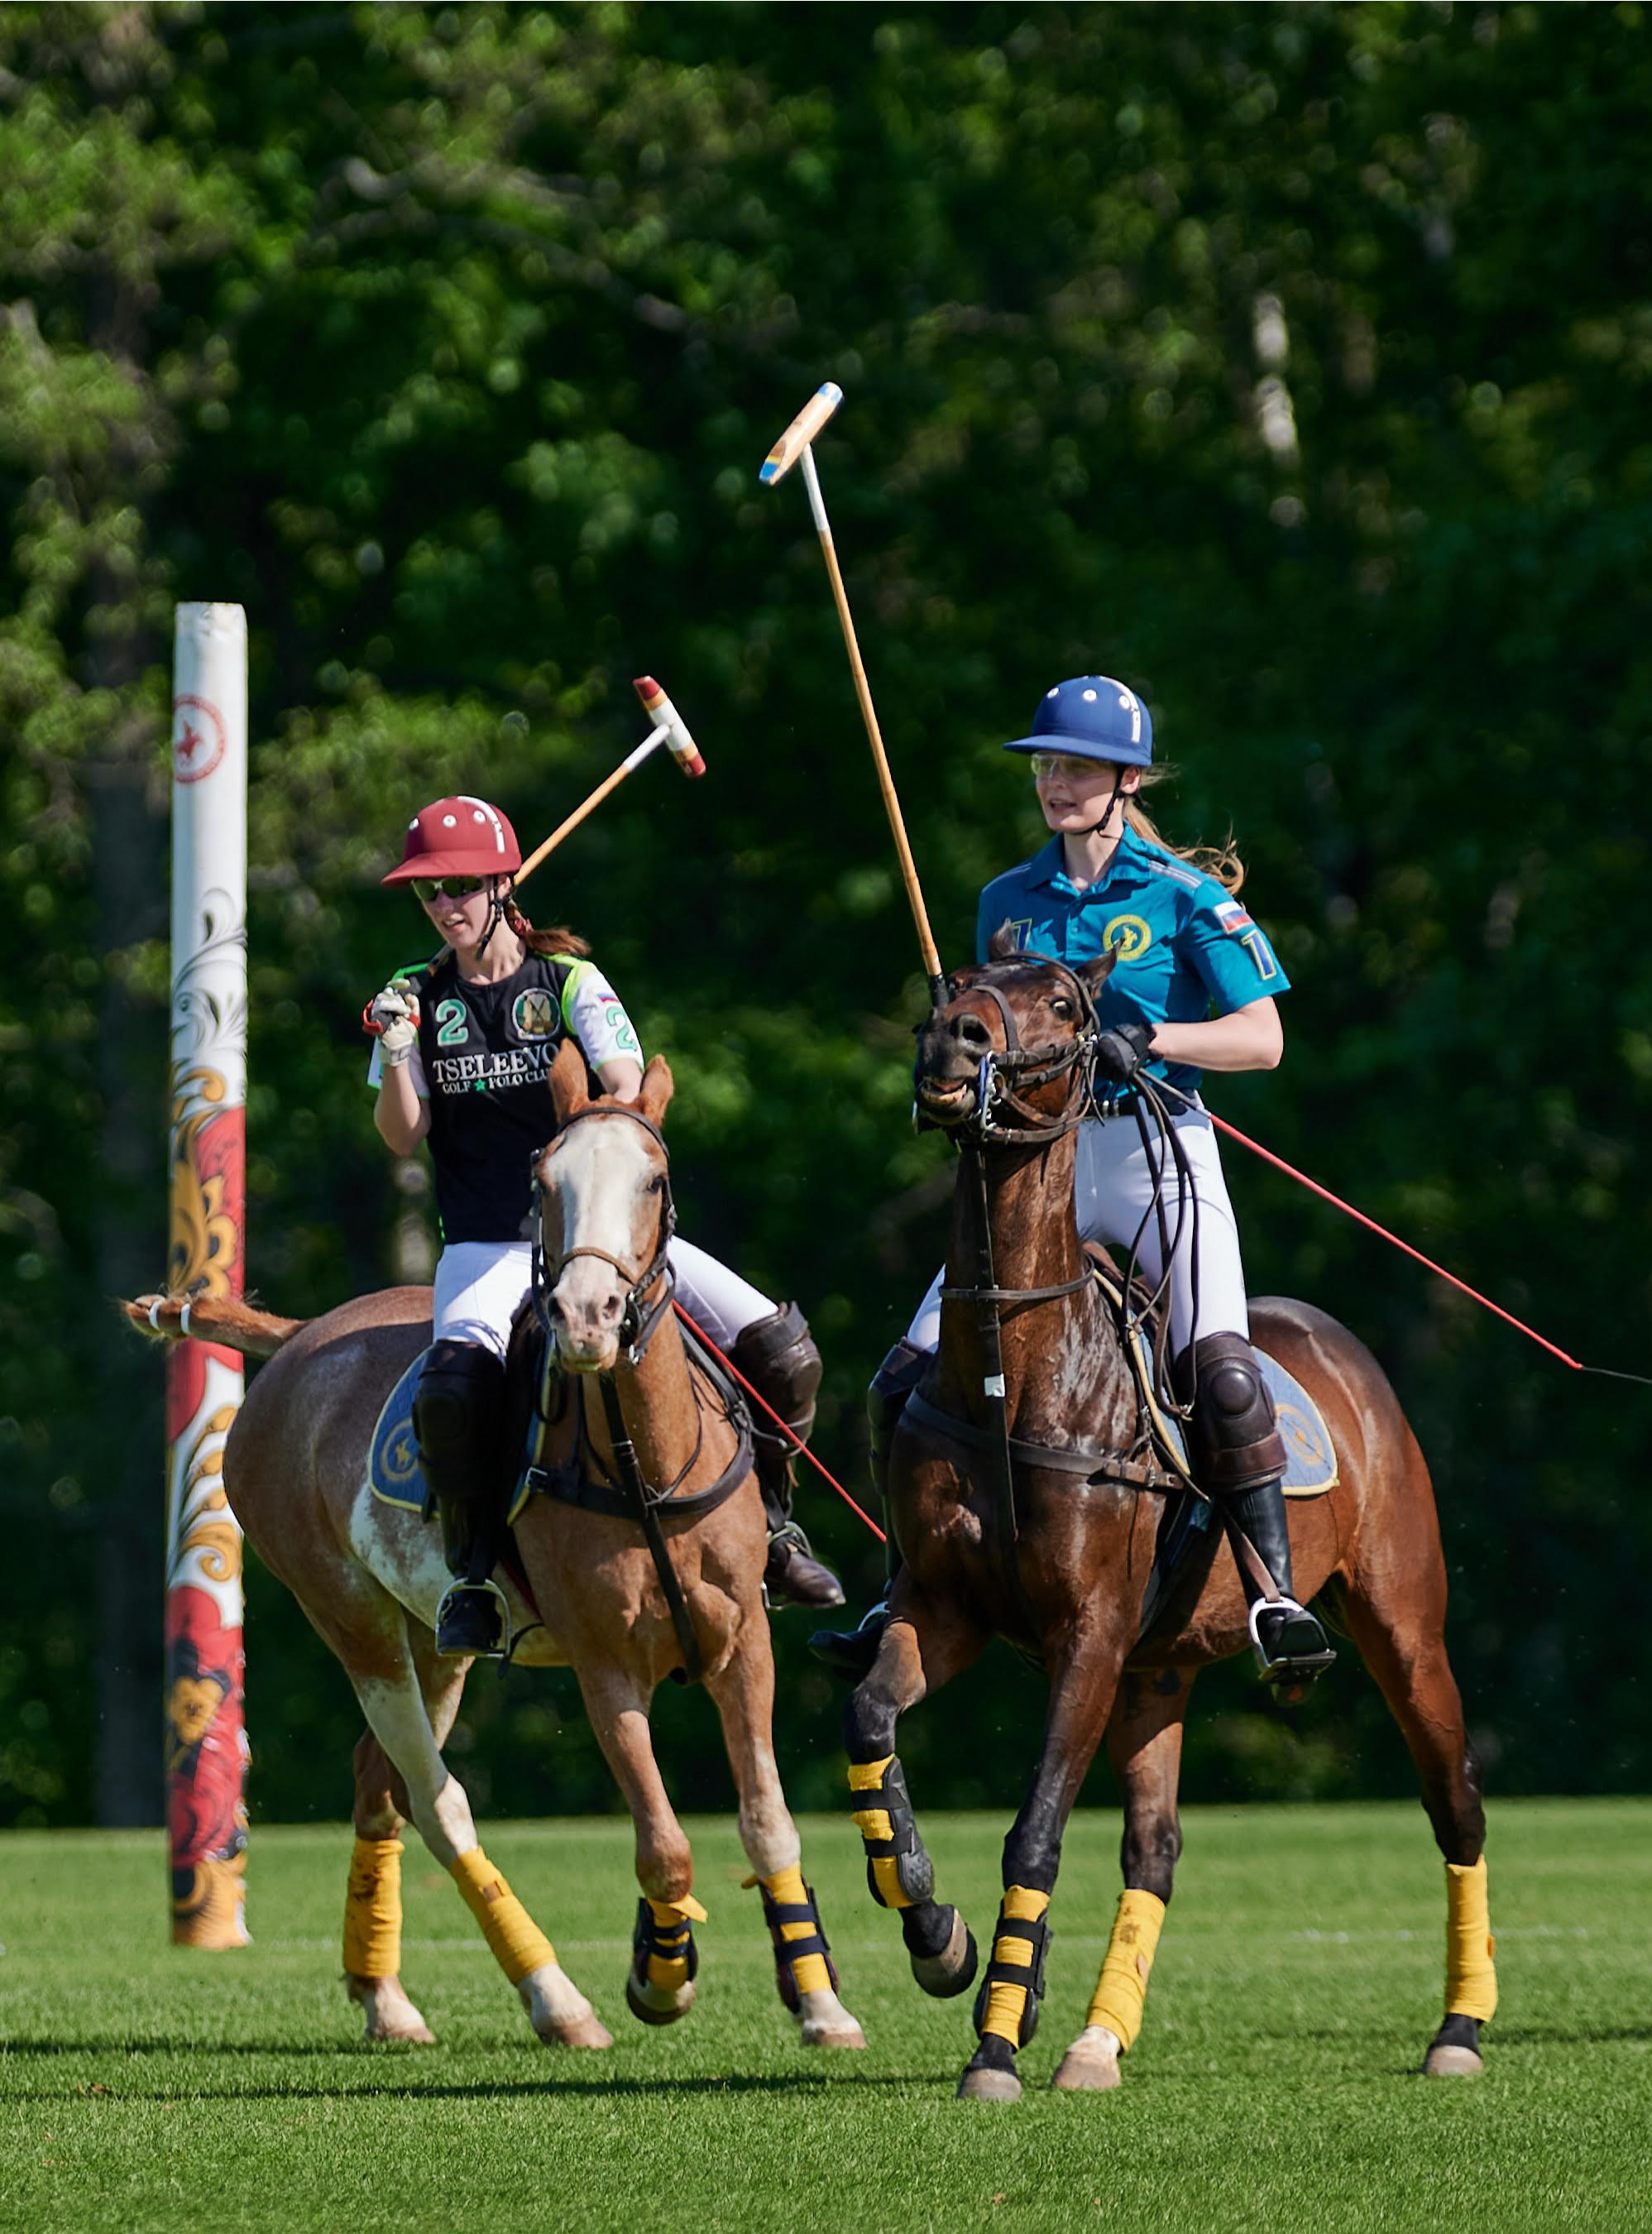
(1007, 1073)
(637, 1323)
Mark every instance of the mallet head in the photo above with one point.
(801, 431)
(664, 715)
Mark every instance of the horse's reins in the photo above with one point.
(638, 1323)
(1001, 1072)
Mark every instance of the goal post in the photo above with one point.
(205, 1724)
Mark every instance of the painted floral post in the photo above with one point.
(206, 1747)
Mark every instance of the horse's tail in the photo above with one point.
(211, 1318)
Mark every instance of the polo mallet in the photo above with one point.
(794, 444)
(669, 729)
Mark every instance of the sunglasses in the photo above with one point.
(446, 888)
(1066, 764)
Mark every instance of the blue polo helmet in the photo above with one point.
(1092, 717)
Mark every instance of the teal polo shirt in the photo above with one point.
(1186, 948)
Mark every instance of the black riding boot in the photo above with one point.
(1240, 1459)
(852, 1651)
(778, 1356)
(455, 1417)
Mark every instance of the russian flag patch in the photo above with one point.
(1233, 918)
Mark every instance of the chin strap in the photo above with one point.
(499, 892)
(1097, 829)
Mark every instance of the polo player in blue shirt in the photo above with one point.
(1193, 988)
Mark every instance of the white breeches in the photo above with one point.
(1111, 1190)
(479, 1285)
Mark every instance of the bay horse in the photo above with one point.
(369, 1575)
(1057, 1559)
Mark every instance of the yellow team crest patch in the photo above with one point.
(1128, 937)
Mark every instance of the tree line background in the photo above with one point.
(1291, 362)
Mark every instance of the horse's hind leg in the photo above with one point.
(373, 1902)
(744, 1693)
(1397, 1619)
(923, 1648)
(398, 1718)
(1144, 1740)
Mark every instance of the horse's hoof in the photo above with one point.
(988, 2086)
(1454, 2051)
(655, 2006)
(827, 2023)
(1090, 2066)
(389, 2015)
(588, 2031)
(951, 1971)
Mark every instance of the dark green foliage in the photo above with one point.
(1292, 361)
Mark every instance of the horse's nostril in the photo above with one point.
(612, 1305)
(970, 1032)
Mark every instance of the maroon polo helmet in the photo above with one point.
(461, 837)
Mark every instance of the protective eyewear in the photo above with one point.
(1075, 768)
(446, 888)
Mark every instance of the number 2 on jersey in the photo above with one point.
(452, 1028)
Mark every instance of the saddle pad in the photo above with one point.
(393, 1470)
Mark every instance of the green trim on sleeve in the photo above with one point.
(579, 966)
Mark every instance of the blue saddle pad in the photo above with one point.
(1310, 1467)
(393, 1468)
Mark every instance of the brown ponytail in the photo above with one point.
(558, 940)
(1221, 861)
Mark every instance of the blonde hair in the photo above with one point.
(1221, 861)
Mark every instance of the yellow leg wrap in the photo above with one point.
(671, 1972)
(373, 1909)
(1471, 1974)
(518, 1944)
(1006, 2003)
(787, 1890)
(874, 1823)
(1122, 1987)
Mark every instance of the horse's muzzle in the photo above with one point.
(946, 1078)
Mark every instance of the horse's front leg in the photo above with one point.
(1082, 1682)
(1145, 1749)
(660, 1985)
(807, 1983)
(923, 1646)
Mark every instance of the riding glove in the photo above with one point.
(392, 1018)
(1124, 1051)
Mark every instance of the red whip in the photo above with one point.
(795, 1440)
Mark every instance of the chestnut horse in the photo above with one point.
(369, 1576)
(1059, 1562)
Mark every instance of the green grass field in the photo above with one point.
(1274, 2087)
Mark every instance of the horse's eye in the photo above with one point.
(1061, 1006)
(656, 1184)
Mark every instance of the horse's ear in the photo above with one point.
(656, 1089)
(569, 1092)
(1005, 942)
(1095, 974)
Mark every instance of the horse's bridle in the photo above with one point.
(637, 1323)
(1003, 1071)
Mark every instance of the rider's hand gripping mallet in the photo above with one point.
(792, 446)
(668, 728)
